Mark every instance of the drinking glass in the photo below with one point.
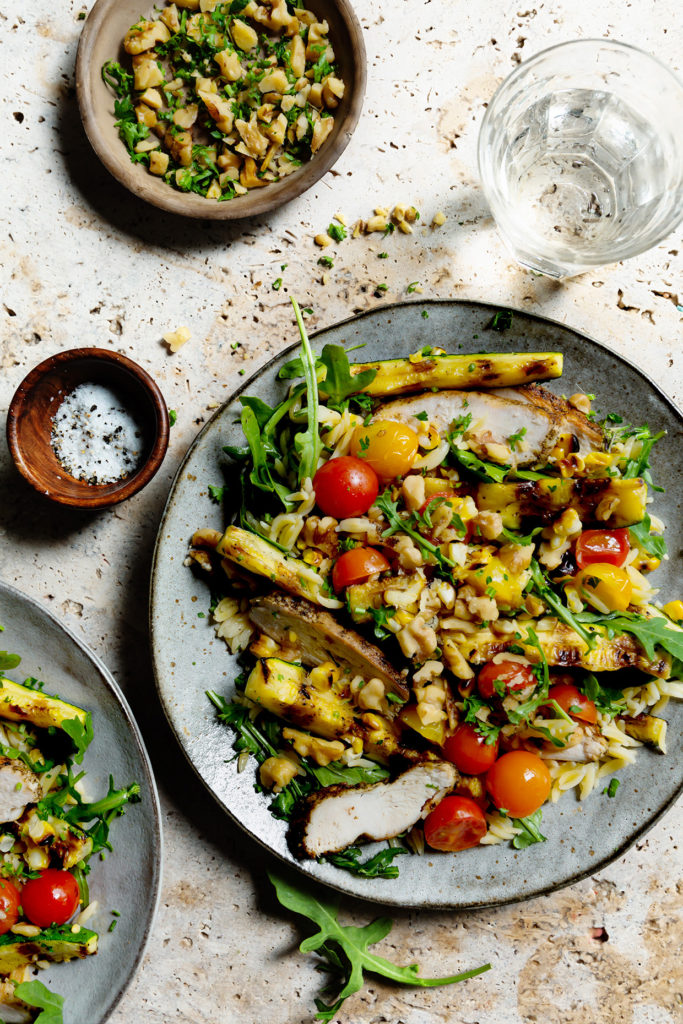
(581, 156)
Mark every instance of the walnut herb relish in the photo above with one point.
(225, 97)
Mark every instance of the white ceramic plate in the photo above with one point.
(188, 659)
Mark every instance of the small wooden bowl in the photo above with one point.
(102, 39)
(37, 399)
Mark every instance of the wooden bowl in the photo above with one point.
(102, 38)
(37, 399)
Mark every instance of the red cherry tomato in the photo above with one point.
(10, 901)
(50, 899)
(345, 487)
(468, 750)
(574, 702)
(455, 824)
(611, 546)
(356, 566)
(518, 782)
(512, 674)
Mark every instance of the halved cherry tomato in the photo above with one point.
(607, 587)
(610, 546)
(513, 675)
(50, 899)
(455, 824)
(468, 750)
(10, 901)
(345, 487)
(518, 782)
(389, 448)
(575, 703)
(356, 566)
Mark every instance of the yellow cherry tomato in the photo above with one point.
(389, 448)
(606, 587)
(674, 609)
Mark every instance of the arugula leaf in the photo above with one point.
(530, 474)
(518, 538)
(80, 734)
(481, 469)
(34, 993)
(345, 947)
(650, 542)
(650, 633)
(542, 587)
(605, 700)
(540, 670)
(338, 773)
(339, 384)
(260, 475)
(380, 617)
(639, 466)
(396, 523)
(307, 442)
(8, 661)
(261, 410)
(486, 729)
(378, 866)
(295, 368)
(530, 833)
(102, 812)
(216, 493)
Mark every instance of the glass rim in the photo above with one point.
(616, 44)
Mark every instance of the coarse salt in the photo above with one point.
(95, 437)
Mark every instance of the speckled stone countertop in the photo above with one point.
(85, 263)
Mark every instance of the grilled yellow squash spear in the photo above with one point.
(251, 552)
(494, 370)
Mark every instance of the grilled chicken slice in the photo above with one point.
(585, 744)
(320, 637)
(496, 416)
(338, 816)
(568, 419)
(19, 786)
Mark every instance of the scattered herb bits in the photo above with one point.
(218, 102)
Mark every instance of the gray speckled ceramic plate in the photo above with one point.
(128, 880)
(582, 837)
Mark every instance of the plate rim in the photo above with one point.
(544, 890)
(158, 860)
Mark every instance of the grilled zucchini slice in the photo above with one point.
(493, 370)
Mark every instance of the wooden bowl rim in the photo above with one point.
(93, 495)
(153, 190)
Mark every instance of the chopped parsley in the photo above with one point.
(337, 232)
